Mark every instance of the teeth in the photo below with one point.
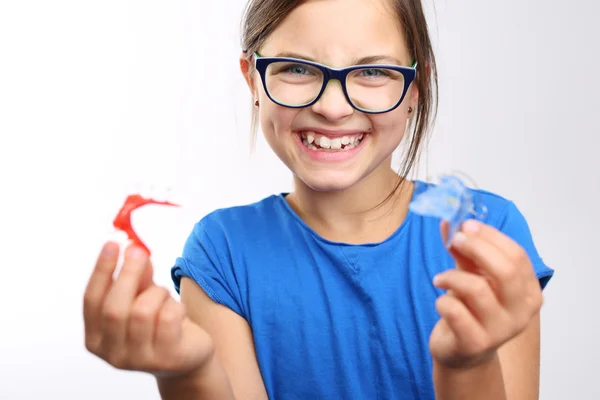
(318, 142)
(336, 144)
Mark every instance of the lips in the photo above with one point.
(342, 142)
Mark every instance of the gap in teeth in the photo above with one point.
(314, 141)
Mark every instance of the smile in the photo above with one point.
(320, 142)
(333, 146)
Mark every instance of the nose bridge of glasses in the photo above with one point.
(333, 94)
(337, 80)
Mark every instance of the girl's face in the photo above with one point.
(337, 33)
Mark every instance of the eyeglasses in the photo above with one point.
(370, 88)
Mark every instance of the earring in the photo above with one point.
(410, 110)
(256, 103)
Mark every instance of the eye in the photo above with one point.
(296, 69)
(373, 72)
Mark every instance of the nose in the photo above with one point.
(333, 104)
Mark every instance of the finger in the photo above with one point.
(146, 281)
(475, 293)
(142, 321)
(95, 292)
(503, 274)
(444, 230)
(511, 249)
(168, 329)
(462, 263)
(470, 336)
(119, 300)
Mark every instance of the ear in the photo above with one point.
(249, 73)
(414, 95)
(412, 100)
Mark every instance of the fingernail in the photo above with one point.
(110, 249)
(459, 238)
(137, 253)
(471, 226)
(436, 280)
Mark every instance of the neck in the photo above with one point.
(357, 214)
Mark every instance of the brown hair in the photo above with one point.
(261, 17)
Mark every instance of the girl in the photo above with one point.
(336, 290)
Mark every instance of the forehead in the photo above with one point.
(336, 32)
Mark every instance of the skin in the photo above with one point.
(486, 344)
(362, 183)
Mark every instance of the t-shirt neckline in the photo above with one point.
(418, 187)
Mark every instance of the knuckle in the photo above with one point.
(92, 345)
(142, 315)
(481, 344)
(162, 293)
(450, 309)
(521, 255)
(168, 318)
(114, 314)
(118, 359)
(539, 300)
(534, 300)
(480, 288)
(509, 273)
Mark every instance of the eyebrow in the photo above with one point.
(377, 59)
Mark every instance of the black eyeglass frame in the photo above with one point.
(339, 74)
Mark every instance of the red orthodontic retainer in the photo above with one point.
(123, 219)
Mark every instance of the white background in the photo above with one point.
(98, 96)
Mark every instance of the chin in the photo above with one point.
(329, 182)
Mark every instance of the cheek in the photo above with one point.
(390, 128)
(276, 121)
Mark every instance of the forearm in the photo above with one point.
(209, 383)
(484, 381)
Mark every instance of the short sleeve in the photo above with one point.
(204, 260)
(513, 224)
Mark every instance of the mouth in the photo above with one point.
(335, 143)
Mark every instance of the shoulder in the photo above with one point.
(500, 212)
(214, 252)
(243, 224)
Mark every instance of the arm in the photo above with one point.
(512, 373)
(486, 344)
(135, 325)
(209, 383)
(234, 364)
(520, 359)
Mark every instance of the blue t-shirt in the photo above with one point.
(331, 320)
